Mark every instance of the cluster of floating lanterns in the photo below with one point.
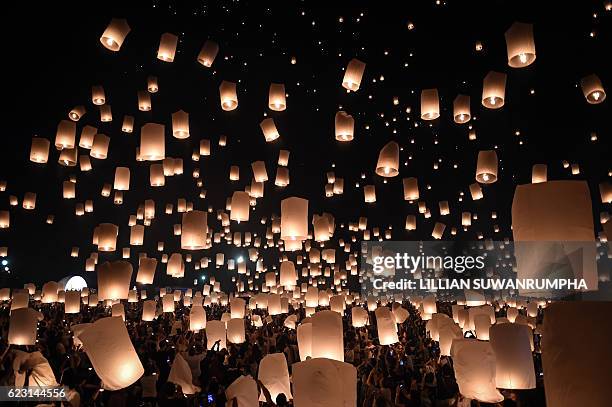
(499, 358)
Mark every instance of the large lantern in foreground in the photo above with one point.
(274, 375)
(323, 382)
(474, 364)
(513, 360)
(575, 353)
(327, 330)
(110, 350)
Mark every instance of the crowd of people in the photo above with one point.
(410, 373)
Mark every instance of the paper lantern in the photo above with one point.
(194, 230)
(156, 175)
(39, 152)
(152, 142)
(122, 179)
(240, 206)
(87, 137)
(430, 104)
(327, 329)
(112, 355)
(576, 352)
(388, 160)
(235, 331)
(167, 47)
(461, 109)
(282, 177)
(117, 310)
(513, 360)
(359, 317)
(486, 167)
(113, 36)
(114, 280)
(448, 331)
(353, 75)
(68, 157)
(237, 307)
(593, 89)
(148, 310)
(539, 173)
(49, 292)
(269, 129)
(22, 326)
(274, 375)
(106, 114)
(72, 302)
(324, 383)
(259, 171)
(144, 101)
(438, 230)
(549, 212)
(474, 365)
(65, 135)
(475, 191)
(228, 95)
(304, 339)
(294, 219)
(283, 158)
(146, 270)
(106, 236)
(344, 126)
(520, 45)
(76, 113)
(369, 193)
(387, 330)
(197, 318)
(208, 53)
(99, 148)
(215, 331)
(180, 124)
(244, 390)
(137, 235)
(494, 90)
(276, 97)
(176, 267)
(97, 95)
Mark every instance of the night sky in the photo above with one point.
(52, 57)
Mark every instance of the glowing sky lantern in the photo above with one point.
(494, 90)
(353, 75)
(520, 45)
(276, 97)
(294, 219)
(193, 236)
(430, 104)
(111, 353)
(324, 383)
(474, 364)
(327, 329)
(513, 359)
(388, 160)
(208, 53)
(593, 89)
(23, 326)
(228, 95)
(274, 375)
(167, 47)
(344, 126)
(486, 167)
(113, 36)
(114, 280)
